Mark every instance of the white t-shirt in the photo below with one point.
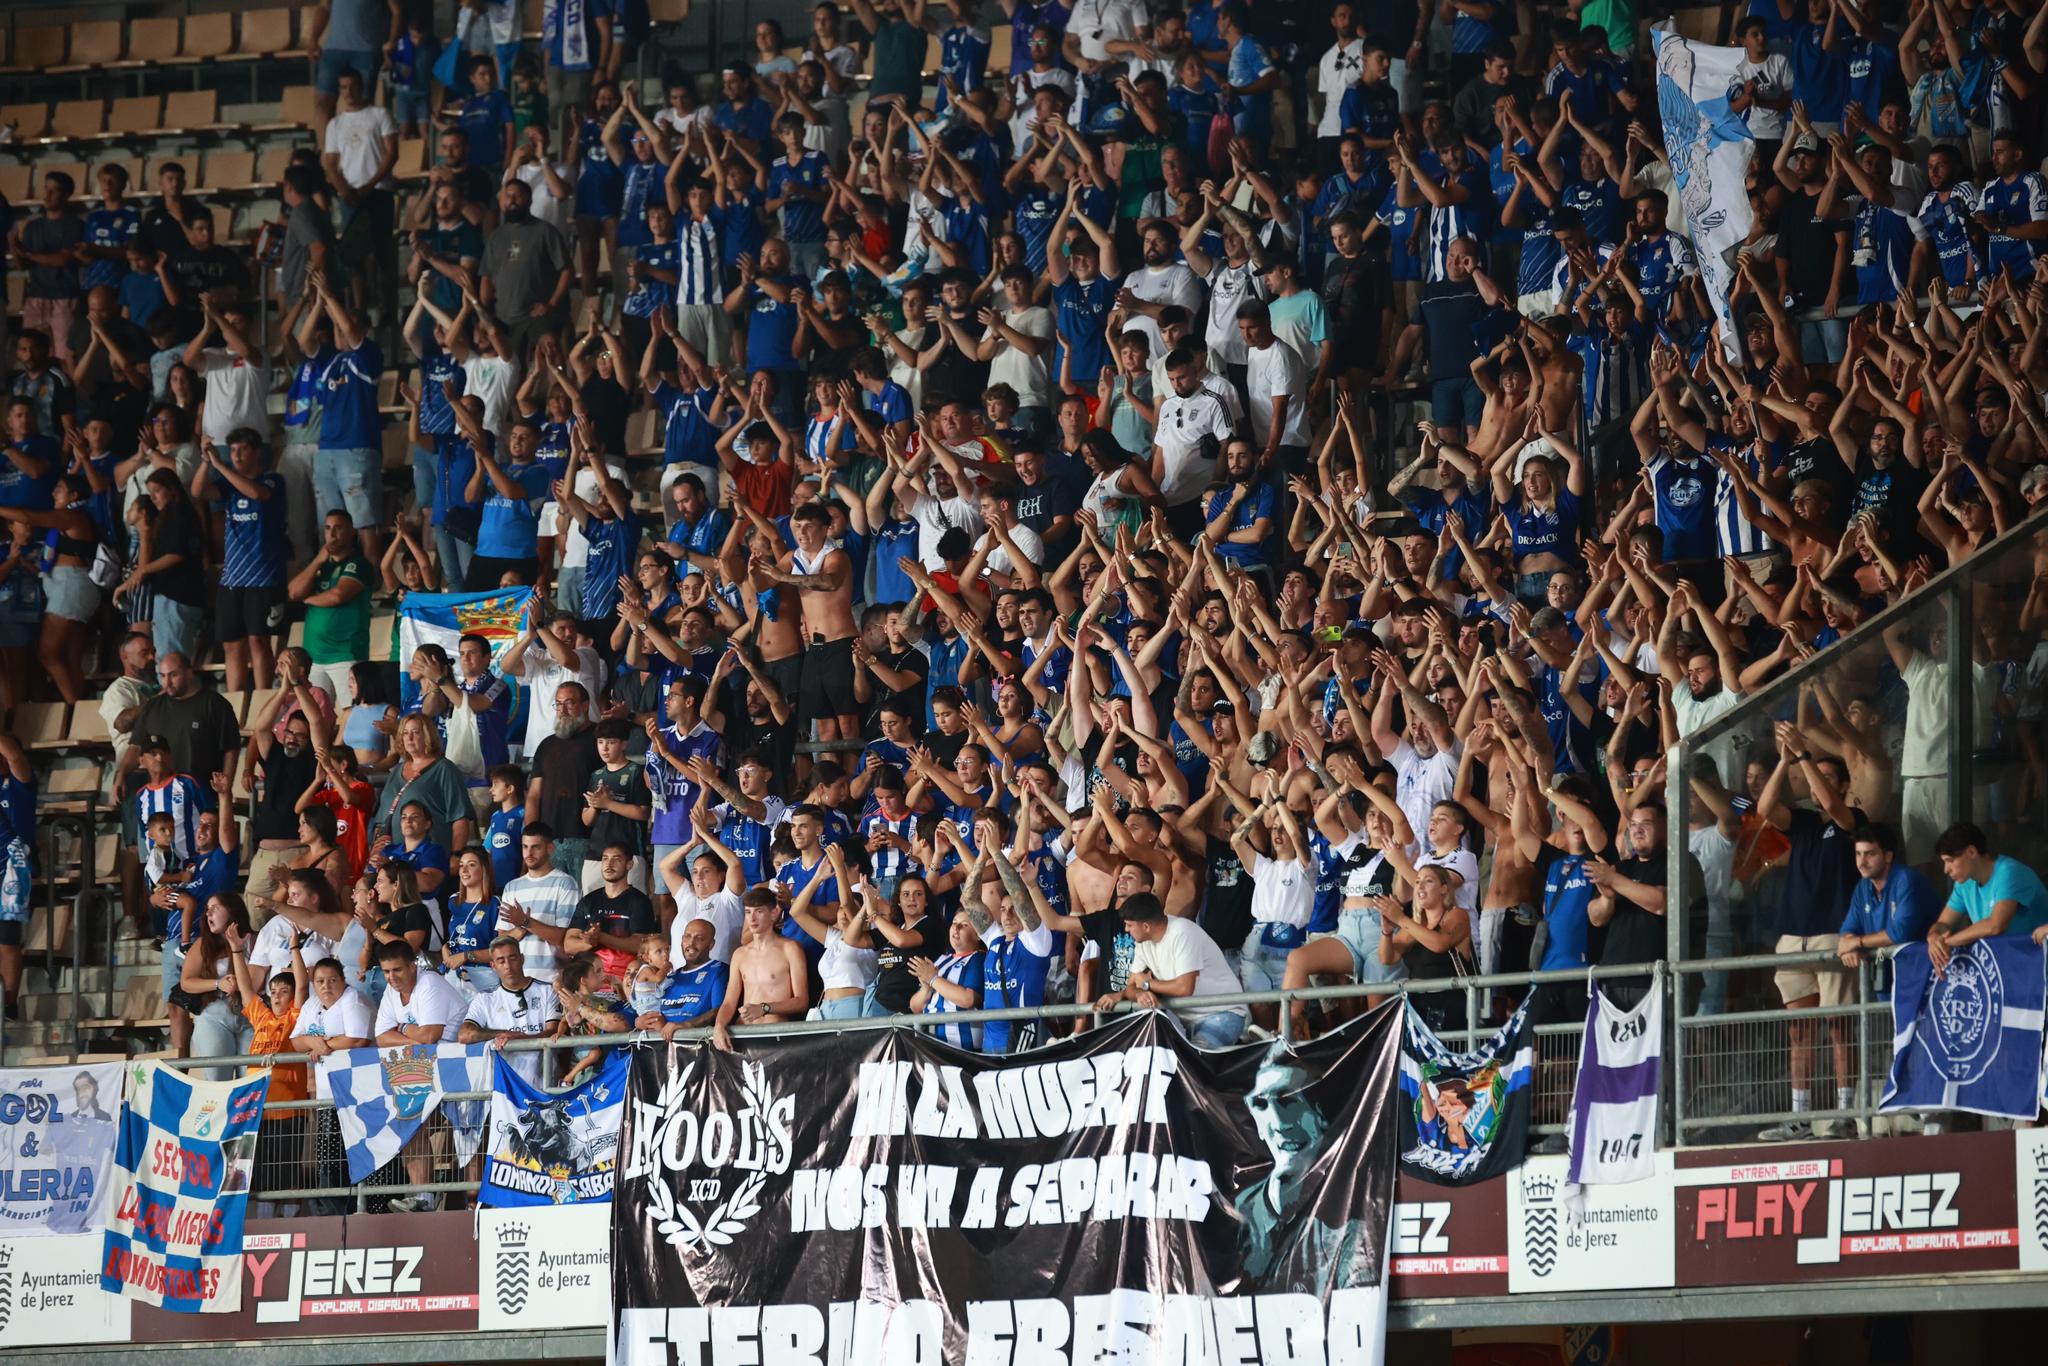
(935, 517)
(530, 1011)
(1187, 465)
(1419, 783)
(1171, 284)
(1465, 864)
(1097, 23)
(543, 675)
(1773, 77)
(494, 380)
(553, 522)
(1029, 375)
(842, 965)
(237, 394)
(1272, 371)
(1336, 73)
(350, 1017)
(1283, 891)
(721, 908)
(272, 950)
(1230, 286)
(1025, 539)
(357, 139)
(433, 1001)
(547, 206)
(1186, 947)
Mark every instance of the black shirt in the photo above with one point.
(625, 915)
(564, 766)
(896, 983)
(1635, 935)
(177, 531)
(1806, 244)
(1447, 313)
(607, 403)
(627, 785)
(1820, 874)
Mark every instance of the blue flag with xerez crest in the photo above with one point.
(1969, 1039)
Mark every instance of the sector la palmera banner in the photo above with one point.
(879, 1197)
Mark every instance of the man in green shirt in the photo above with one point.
(899, 36)
(334, 588)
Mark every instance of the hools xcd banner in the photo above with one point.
(881, 1197)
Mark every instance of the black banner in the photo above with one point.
(878, 1197)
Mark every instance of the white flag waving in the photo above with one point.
(1709, 146)
(1614, 1105)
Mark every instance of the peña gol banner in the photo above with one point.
(881, 1197)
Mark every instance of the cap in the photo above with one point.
(1806, 142)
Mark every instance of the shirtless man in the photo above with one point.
(822, 574)
(1510, 398)
(1137, 839)
(1557, 371)
(772, 981)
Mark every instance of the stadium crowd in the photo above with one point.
(1225, 502)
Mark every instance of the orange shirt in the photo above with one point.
(274, 1035)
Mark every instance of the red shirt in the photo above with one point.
(352, 824)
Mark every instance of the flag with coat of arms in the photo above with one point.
(1968, 1037)
(383, 1095)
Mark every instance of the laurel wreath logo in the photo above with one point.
(673, 1220)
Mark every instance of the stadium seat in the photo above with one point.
(154, 169)
(94, 45)
(381, 624)
(186, 110)
(138, 114)
(39, 49)
(30, 120)
(67, 788)
(208, 36)
(41, 725)
(55, 939)
(88, 728)
(271, 164)
(151, 41)
(266, 32)
(14, 182)
(298, 108)
(228, 171)
(668, 11)
(79, 119)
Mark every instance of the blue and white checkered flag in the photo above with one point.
(383, 1095)
(1969, 1039)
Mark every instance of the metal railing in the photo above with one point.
(1960, 628)
(299, 1155)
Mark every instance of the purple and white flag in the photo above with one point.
(1613, 1124)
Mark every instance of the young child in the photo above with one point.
(650, 975)
(411, 59)
(487, 116)
(508, 818)
(529, 100)
(141, 290)
(162, 867)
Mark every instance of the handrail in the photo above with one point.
(1474, 982)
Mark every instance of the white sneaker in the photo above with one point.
(1792, 1131)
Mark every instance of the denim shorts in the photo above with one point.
(335, 60)
(1456, 401)
(353, 480)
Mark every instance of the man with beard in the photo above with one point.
(1162, 282)
(562, 765)
(284, 769)
(1703, 671)
(1631, 901)
(545, 657)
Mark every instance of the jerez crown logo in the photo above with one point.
(512, 1283)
